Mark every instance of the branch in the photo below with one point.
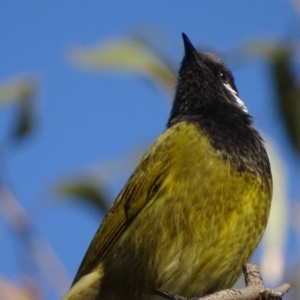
(254, 290)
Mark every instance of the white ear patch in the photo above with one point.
(240, 103)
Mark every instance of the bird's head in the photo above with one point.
(204, 84)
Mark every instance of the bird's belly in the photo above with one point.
(200, 250)
(196, 269)
(199, 267)
(189, 248)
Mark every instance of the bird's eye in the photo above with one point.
(224, 76)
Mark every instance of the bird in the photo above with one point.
(196, 206)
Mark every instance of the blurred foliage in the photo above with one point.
(36, 258)
(89, 190)
(129, 54)
(21, 93)
(288, 92)
(11, 291)
(273, 260)
(134, 54)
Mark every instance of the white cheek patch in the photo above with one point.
(240, 103)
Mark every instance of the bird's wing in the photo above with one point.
(135, 195)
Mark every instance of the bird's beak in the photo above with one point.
(189, 49)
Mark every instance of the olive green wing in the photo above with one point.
(135, 195)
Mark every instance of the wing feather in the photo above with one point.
(132, 199)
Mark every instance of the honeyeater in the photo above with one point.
(194, 210)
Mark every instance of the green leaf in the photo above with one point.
(17, 90)
(89, 191)
(288, 93)
(20, 92)
(24, 121)
(127, 55)
(274, 243)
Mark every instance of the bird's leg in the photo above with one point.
(168, 295)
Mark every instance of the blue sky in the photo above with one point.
(89, 117)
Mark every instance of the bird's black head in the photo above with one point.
(207, 97)
(205, 85)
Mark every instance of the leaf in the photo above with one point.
(288, 93)
(91, 188)
(22, 93)
(274, 243)
(24, 121)
(130, 55)
(87, 190)
(17, 90)
(286, 85)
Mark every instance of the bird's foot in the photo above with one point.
(168, 295)
(254, 290)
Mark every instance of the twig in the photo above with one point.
(254, 290)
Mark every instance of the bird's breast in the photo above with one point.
(208, 218)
